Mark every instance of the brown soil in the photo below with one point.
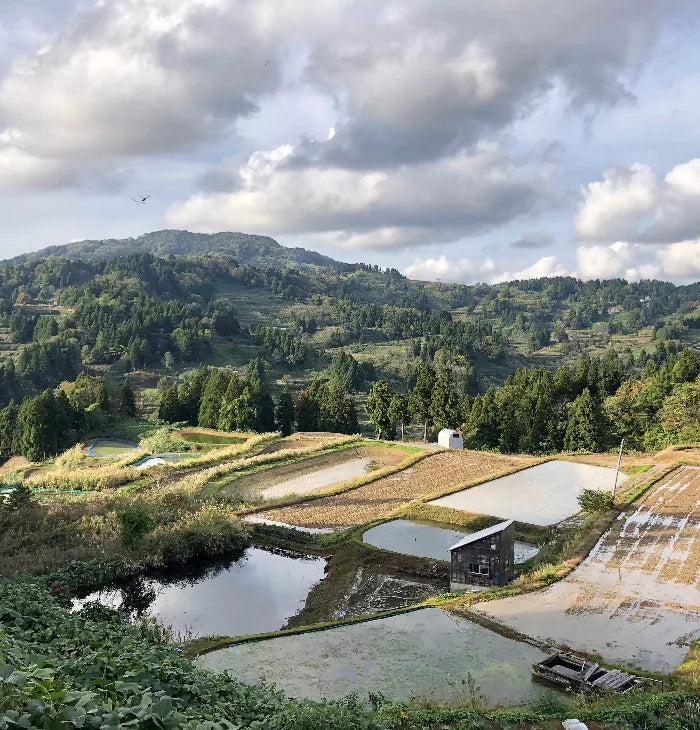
(300, 440)
(439, 473)
(245, 485)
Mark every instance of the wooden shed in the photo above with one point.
(450, 439)
(486, 557)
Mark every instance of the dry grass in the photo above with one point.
(434, 474)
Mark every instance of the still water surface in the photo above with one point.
(254, 593)
(426, 654)
(428, 541)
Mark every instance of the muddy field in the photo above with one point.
(271, 482)
(436, 473)
(636, 599)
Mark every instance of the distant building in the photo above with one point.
(485, 558)
(450, 439)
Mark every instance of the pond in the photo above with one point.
(111, 447)
(318, 479)
(541, 495)
(156, 459)
(427, 540)
(428, 653)
(196, 437)
(251, 593)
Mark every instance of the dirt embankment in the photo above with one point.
(437, 473)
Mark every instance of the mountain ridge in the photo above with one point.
(246, 247)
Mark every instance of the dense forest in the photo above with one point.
(538, 365)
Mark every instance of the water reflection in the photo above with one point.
(252, 592)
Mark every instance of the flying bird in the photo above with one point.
(141, 200)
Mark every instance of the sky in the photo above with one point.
(454, 140)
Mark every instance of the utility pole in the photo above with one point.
(617, 471)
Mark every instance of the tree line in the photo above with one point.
(50, 422)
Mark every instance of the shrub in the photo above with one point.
(161, 441)
(135, 522)
(595, 500)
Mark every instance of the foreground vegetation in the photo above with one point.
(94, 669)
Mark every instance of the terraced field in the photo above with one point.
(439, 472)
(636, 598)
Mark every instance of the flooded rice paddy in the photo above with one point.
(541, 495)
(423, 654)
(636, 598)
(319, 479)
(427, 540)
(157, 459)
(111, 447)
(256, 592)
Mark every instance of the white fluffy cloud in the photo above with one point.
(633, 204)
(468, 271)
(681, 260)
(443, 199)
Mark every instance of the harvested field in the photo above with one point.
(301, 440)
(636, 599)
(440, 472)
(314, 473)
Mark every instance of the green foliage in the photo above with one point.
(135, 522)
(88, 669)
(378, 407)
(584, 426)
(595, 500)
(284, 413)
(161, 441)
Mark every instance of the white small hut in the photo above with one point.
(450, 439)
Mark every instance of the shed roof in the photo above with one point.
(474, 537)
(449, 430)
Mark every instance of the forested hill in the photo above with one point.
(245, 248)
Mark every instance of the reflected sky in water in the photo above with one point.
(255, 593)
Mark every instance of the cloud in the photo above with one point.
(411, 82)
(634, 204)
(468, 271)
(681, 260)
(20, 170)
(437, 200)
(537, 239)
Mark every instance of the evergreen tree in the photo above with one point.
(103, 399)
(337, 413)
(244, 410)
(584, 425)
(8, 430)
(35, 423)
(399, 412)
(212, 397)
(169, 406)
(284, 414)
(444, 402)
(307, 412)
(378, 405)
(127, 399)
(421, 396)
(227, 413)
